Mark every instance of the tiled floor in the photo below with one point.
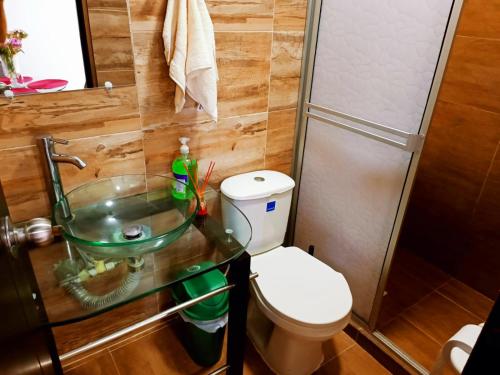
(424, 307)
(159, 352)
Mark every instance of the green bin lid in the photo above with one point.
(208, 309)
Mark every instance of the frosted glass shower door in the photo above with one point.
(375, 62)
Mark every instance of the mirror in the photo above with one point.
(56, 45)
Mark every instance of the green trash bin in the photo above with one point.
(204, 323)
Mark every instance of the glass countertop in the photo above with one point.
(74, 285)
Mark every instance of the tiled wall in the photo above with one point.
(111, 41)
(133, 130)
(454, 213)
(259, 50)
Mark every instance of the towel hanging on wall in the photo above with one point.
(188, 36)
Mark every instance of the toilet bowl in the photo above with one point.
(307, 302)
(297, 302)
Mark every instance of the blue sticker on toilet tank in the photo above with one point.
(271, 206)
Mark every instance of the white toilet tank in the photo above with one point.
(265, 198)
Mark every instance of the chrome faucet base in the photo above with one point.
(51, 170)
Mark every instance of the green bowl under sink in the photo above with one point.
(126, 216)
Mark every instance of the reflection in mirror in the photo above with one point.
(56, 45)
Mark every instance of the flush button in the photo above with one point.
(259, 179)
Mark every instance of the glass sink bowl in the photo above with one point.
(125, 216)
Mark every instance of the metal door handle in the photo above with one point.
(413, 142)
(37, 231)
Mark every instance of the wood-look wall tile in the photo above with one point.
(243, 72)
(241, 15)
(155, 88)
(106, 22)
(22, 175)
(280, 140)
(468, 137)
(72, 114)
(22, 180)
(112, 53)
(117, 77)
(110, 4)
(236, 144)
(479, 18)
(111, 41)
(290, 15)
(106, 156)
(483, 253)
(147, 15)
(153, 83)
(473, 73)
(243, 60)
(457, 155)
(285, 70)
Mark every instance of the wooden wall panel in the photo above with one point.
(290, 15)
(280, 140)
(236, 144)
(453, 218)
(244, 64)
(22, 174)
(70, 114)
(239, 15)
(111, 42)
(285, 70)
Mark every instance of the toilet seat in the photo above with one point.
(300, 293)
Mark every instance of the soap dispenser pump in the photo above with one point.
(179, 165)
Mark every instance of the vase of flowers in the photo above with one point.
(8, 51)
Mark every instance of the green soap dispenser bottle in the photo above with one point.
(179, 191)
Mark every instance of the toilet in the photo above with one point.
(297, 302)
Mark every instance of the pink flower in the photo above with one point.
(15, 43)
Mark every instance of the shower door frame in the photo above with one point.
(307, 73)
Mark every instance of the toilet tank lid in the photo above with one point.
(256, 185)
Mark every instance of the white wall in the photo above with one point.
(52, 49)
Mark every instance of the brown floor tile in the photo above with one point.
(159, 353)
(439, 317)
(404, 289)
(254, 365)
(337, 344)
(389, 310)
(91, 354)
(353, 361)
(467, 297)
(419, 268)
(413, 341)
(101, 364)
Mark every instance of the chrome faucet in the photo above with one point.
(51, 170)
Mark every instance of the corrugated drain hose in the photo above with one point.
(90, 301)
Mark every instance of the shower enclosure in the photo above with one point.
(371, 74)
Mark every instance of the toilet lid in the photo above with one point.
(300, 287)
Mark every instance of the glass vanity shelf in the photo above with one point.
(75, 286)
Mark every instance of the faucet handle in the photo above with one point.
(60, 141)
